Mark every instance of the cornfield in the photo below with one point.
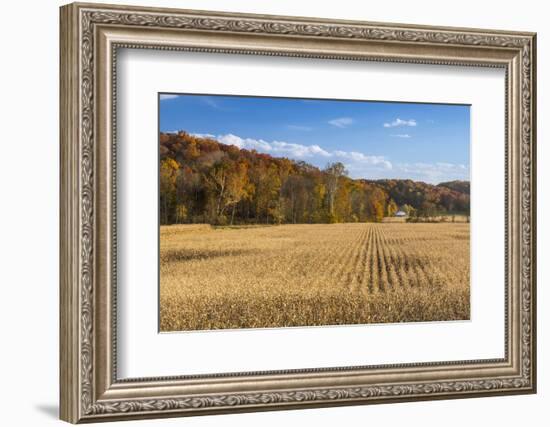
(309, 275)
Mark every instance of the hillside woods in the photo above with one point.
(204, 181)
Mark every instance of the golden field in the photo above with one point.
(318, 274)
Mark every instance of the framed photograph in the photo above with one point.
(265, 212)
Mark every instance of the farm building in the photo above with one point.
(400, 214)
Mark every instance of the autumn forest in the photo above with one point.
(205, 181)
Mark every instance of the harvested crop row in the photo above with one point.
(305, 275)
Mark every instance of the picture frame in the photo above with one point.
(91, 35)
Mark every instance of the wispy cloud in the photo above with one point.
(218, 103)
(300, 128)
(165, 96)
(434, 172)
(398, 122)
(341, 122)
(363, 159)
(400, 135)
(211, 102)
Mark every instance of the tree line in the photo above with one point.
(204, 181)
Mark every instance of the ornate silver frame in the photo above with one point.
(90, 36)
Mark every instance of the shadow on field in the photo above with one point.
(182, 255)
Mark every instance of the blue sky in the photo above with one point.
(425, 142)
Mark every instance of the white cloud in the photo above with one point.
(204, 135)
(434, 172)
(359, 165)
(277, 148)
(400, 135)
(247, 143)
(314, 153)
(341, 122)
(399, 122)
(165, 96)
(362, 159)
